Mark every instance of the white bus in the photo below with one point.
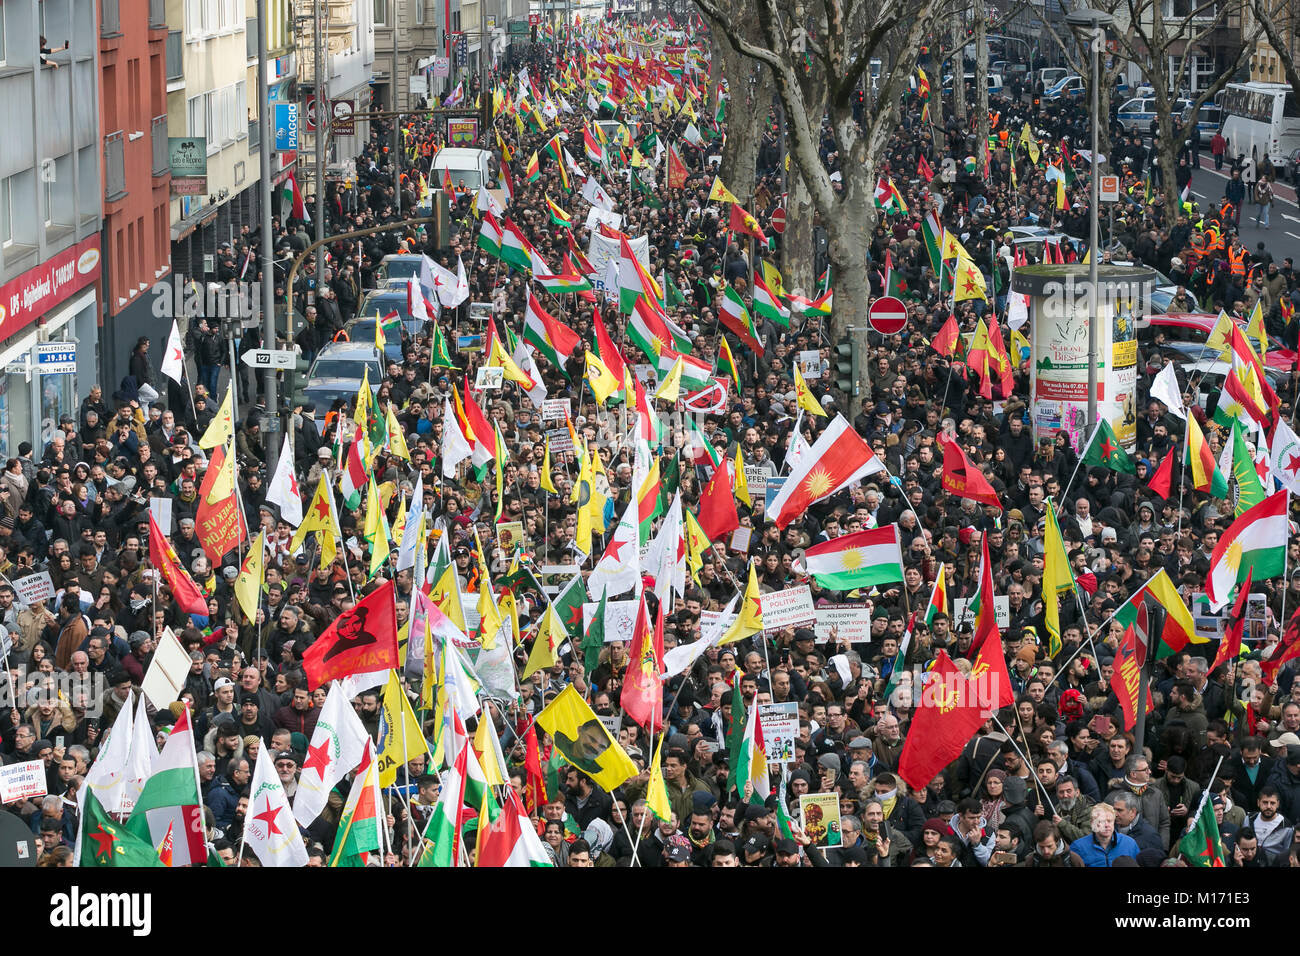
(1261, 119)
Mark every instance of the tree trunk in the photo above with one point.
(798, 258)
(981, 82)
(848, 237)
(746, 119)
(958, 74)
(1166, 155)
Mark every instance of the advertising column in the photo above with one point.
(1060, 308)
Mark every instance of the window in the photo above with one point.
(381, 13)
(2, 34)
(194, 19)
(133, 78)
(241, 110)
(197, 118)
(419, 11)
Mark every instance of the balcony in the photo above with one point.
(175, 56)
(161, 157)
(254, 135)
(157, 14)
(114, 166)
(110, 19)
(250, 37)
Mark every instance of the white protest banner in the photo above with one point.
(740, 539)
(596, 215)
(756, 478)
(161, 508)
(963, 613)
(167, 672)
(810, 363)
(853, 621)
(34, 587)
(620, 619)
(780, 723)
(715, 619)
(603, 248)
(792, 607)
(22, 781)
(557, 409)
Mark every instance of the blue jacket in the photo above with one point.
(222, 800)
(1092, 854)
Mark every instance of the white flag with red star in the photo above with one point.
(1285, 457)
(336, 747)
(173, 363)
(270, 830)
(283, 490)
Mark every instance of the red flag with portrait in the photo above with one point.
(357, 641)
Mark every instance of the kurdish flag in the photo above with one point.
(633, 279)
(563, 283)
(695, 373)
(1254, 542)
(751, 761)
(653, 332)
(489, 235)
(516, 250)
(768, 305)
(358, 832)
(888, 197)
(857, 560)
(736, 317)
(170, 798)
(553, 340)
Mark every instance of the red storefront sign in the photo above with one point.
(36, 291)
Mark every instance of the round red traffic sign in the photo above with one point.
(777, 222)
(887, 315)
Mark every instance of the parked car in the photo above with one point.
(338, 370)
(1184, 329)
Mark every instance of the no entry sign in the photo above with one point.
(777, 222)
(887, 315)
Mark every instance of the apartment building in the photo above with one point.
(347, 43)
(51, 198)
(137, 175)
(212, 162)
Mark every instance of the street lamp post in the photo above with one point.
(1091, 24)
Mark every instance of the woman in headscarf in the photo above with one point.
(992, 797)
(599, 836)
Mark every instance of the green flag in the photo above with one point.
(568, 605)
(1249, 490)
(1105, 450)
(107, 843)
(1200, 845)
(594, 639)
(735, 736)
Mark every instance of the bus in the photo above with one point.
(1261, 119)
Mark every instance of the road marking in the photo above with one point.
(1292, 218)
(1276, 198)
(1293, 235)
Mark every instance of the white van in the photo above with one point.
(470, 166)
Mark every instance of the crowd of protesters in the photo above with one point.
(1068, 786)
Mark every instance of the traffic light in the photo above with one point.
(845, 362)
(296, 382)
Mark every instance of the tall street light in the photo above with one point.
(1090, 25)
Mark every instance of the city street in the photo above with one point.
(1283, 236)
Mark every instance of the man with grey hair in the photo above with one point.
(1129, 821)
(1137, 781)
(1059, 751)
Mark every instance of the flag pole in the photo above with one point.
(1026, 761)
(1096, 427)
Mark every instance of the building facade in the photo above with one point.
(137, 176)
(51, 194)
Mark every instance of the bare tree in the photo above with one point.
(1163, 47)
(840, 38)
(749, 103)
(1268, 16)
